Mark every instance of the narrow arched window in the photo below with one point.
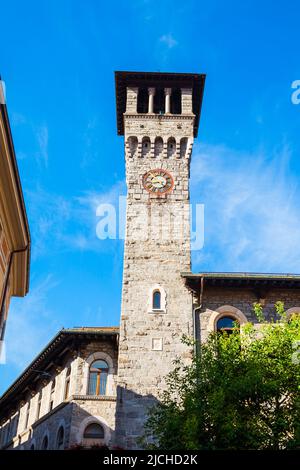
(67, 384)
(45, 443)
(146, 146)
(171, 147)
(183, 147)
(98, 378)
(158, 146)
(226, 325)
(133, 145)
(60, 438)
(156, 300)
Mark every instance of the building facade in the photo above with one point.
(94, 386)
(14, 231)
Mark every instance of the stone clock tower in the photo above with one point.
(158, 114)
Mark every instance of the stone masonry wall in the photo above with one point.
(242, 299)
(157, 250)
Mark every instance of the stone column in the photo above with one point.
(168, 92)
(151, 92)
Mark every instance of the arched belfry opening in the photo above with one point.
(159, 101)
(176, 101)
(142, 100)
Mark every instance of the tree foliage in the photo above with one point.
(241, 391)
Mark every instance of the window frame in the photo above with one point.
(98, 372)
(94, 436)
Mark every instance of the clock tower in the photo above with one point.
(158, 114)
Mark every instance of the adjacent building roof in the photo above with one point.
(158, 79)
(13, 206)
(52, 355)
(288, 281)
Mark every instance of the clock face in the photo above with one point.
(158, 181)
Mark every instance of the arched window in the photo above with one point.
(60, 438)
(146, 146)
(32, 447)
(183, 146)
(171, 148)
(158, 146)
(67, 383)
(156, 300)
(133, 145)
(45, 443)
(98, 378)
(94, 431)
(52, 394)
(226, 324)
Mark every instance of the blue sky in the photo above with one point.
(57, 60)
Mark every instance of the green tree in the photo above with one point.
(241, 391)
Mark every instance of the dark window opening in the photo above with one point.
(142, 102)
(176, 101)
(156, 300)
(60, 438)
(171, 148)
(45, 443)
(159, 101)
(183, 146)
(158, 146)
(94, 431)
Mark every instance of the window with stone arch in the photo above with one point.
(171, 147)
(156, 300)
(67, 383)
(158, 147)
(292, 313)
(98, 378)
(45, 443)
(133, 145)
(223, 318)
(146, 146)
(93, 435)
(227, 324)
(60, 438)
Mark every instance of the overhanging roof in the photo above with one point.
(50, 354)
(158, 79)
(254, 280)
(14, 194)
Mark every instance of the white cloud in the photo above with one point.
(30, 324)
(251, 210)
(61, 224)
(168, 40)
(42, 139)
